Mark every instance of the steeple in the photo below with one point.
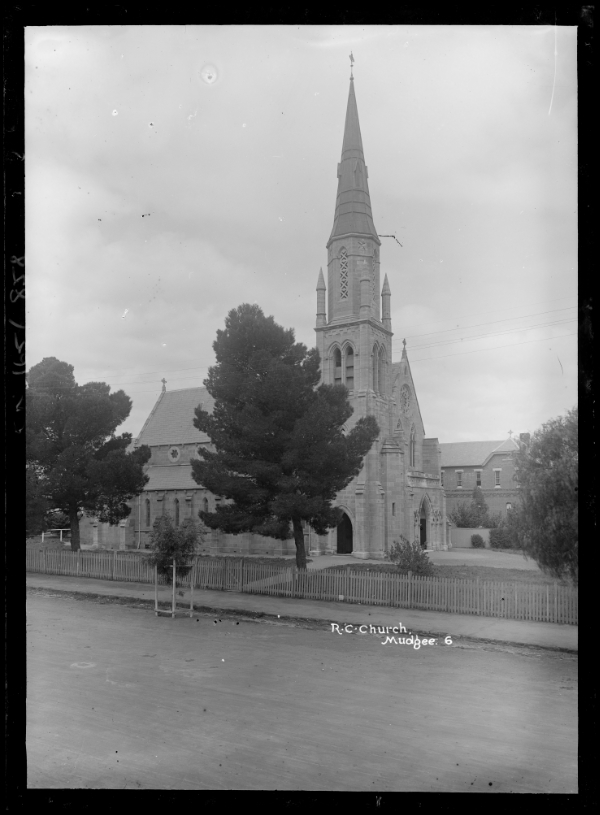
(353, 204)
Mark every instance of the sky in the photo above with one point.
(175, 172)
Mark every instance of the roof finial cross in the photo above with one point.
(404, 344)
(510, 434)
(351, 65)
(164, 384)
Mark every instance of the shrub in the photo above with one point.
(503, 538)
(410, 557)
(477, 542)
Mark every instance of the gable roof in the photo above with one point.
(398, 376)
(172, 418)
(473, 453)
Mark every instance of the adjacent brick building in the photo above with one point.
(486, 464)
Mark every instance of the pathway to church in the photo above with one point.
(118, 698)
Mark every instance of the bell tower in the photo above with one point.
(354, 334)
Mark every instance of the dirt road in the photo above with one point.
(118, 698)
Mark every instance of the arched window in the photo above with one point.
(337, 367)
(147, 512)
(205, 505)
(350, 368)
(344, 287)
(412, 447)
(381, 366)
(374, 360)
(176, 512)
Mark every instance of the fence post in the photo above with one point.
(44, 551)
(224, 573)
(478, 605)
(547, 603)
(555, 602)
(112, 565)
(242, 575)
(410, 589)
(78, 561)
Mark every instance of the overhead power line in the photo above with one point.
(495, 348)
(488, 322)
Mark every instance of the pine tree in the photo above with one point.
(76, 462)
(281, 451)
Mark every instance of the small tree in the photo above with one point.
(474, 514)
(548, 476)
(410, 557)
(170, 543)
(463, 516)
(477, 542)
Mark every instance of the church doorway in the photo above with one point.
(344, 536)
(423, 529)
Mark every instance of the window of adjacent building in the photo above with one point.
(337, 365)
(478, 478)
(205, 504)
(393, 509)
(459, 475)
(412, 448)
(176, 512)
(350, 368)
(147, 512)
(442, 478)
(497, 478)
(508, 506)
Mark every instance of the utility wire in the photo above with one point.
(493, 334)
(478, 350)
(493, 322)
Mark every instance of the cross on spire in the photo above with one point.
(510, 434)
(404, 344)
(351, 65)
(164, 384)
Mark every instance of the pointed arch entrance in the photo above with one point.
(344, 536)
(424, 523)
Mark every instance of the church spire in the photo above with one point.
(353, 204)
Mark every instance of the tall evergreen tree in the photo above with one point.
(71, 447)
(281, 451)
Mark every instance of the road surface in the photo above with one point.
(118, 698)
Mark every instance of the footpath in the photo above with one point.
(438, 624)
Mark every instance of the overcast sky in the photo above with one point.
(175, 172)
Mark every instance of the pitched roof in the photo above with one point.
(472, 453)
(353, 204)
(172, 418)
(171, 477)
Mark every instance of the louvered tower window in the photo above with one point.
(374, 360)
(176, 512)
(343, 274)
(337, 367)
(350, 368)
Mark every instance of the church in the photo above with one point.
(399, 489)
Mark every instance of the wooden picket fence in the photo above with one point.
(516, 601)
